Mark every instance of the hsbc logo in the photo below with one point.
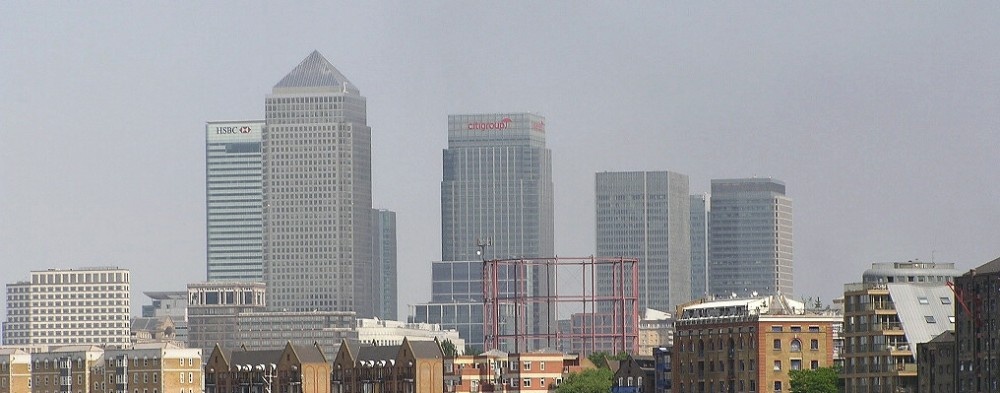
(233, 130)
(500, 125)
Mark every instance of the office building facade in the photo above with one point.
(457, 300)
(646, 215)
(750, 237)
(701, 207)
(497, 190)
(86, 306)
(316, 156)
(233, 200)
(384, 263)
(232, 314)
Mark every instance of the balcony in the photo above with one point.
(906, 369)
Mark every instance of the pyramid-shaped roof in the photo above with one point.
(315, 71)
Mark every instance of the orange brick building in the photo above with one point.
(748, 345)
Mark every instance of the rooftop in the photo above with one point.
(315, 71)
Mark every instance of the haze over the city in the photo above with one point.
(881, 119)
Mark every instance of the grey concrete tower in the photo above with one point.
(750, 237)
(384, 275)
(701, 207)
(646, 215)
(316, 155)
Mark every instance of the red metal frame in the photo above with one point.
(623, 302)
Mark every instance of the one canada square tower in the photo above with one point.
(316, 155)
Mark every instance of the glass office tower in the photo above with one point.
(497, 189)
(645, 215)
(750, 238)
(233, 201)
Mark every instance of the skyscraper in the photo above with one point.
(646, 215)
(233, 188)
(701, 207)
(750, 237)
(497, 187)
(317, 193)
(384, 263)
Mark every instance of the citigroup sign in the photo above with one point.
(499, 125)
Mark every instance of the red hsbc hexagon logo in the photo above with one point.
(500, 125)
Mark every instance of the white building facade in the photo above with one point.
(86, 306)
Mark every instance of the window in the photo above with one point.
(795, 346)
(527, 365)
(929, 319)
(796, 328)
(541, 366)
(814, 329)
(527, 382)
(922, 300)
(951, 318)
(777, 386)
(777, 344)
(777, 365)
(945, 300)
(776, 328)
(814, 344)
(814, 364)
(796, 364)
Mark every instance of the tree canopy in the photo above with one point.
(600, 359)
(449, 349)
(587, 381)
(820, 380)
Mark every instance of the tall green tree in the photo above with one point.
(600, 359)
(449, 349)
(587, 381)
(820, 380)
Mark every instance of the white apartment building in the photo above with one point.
(85, 306)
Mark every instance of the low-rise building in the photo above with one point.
(936, 364)
(977, 331)
(656, 329)
(65, 369)
(388, 332)
(15, 371)
(412, 367)
(634, 375)
(664, 367)
(498, 371)
(154, 330)
(748, 345)
(234, 314)
(149, 368)
(896, 307)
(293, 369)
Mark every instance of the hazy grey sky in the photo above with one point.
(881, 118)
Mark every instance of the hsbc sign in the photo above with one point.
(232, 130)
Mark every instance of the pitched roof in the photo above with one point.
(947, 337)
(309, 353)
(254, 358)
(921, 312)
(373, 353)
(315, 71)
(426, 349)
(988, 267)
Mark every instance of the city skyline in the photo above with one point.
(878, 117)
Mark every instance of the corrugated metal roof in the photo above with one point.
(915, 316)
